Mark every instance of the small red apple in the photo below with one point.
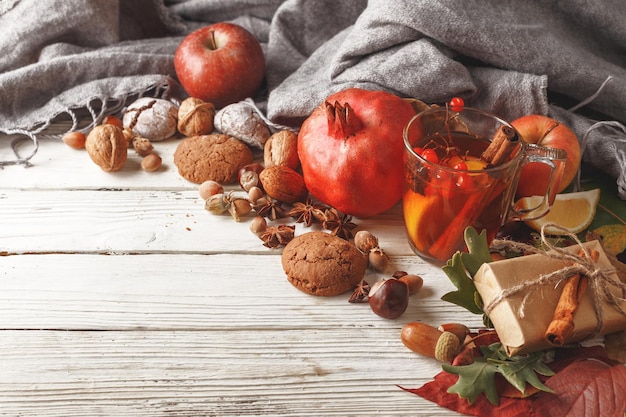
(544, 131)
(222, 63)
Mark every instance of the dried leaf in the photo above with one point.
(616, 346)
(437, 390)
(613, 237)
(611, 209)
(587, 388)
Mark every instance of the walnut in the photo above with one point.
(283, 184)
(281, 149)
(195, 117)
(242, 121)
(152, 118)
(107, 147)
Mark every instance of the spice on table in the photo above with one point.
(339, 224)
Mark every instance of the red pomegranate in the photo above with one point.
(351, 150)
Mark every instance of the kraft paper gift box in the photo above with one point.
(525, 334)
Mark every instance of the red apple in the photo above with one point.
(550, 133)
(222, 63)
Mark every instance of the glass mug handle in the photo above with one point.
(555, 159)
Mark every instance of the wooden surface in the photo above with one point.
(121, 296)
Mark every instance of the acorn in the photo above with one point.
(431, 342)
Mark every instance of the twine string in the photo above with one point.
(599, 278)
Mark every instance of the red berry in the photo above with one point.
(457, 103)
(461, 166)
(464, 182)
(430, 155)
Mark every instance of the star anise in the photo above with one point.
(275, 236)
(267, 207)
(339, 224)
(360, 293)
(307, 212)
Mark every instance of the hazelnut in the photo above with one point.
(221, 203)
(365, 241)
(239, 207)
(428, 341)
(389, 298)
(281, 149)
(378, 259)
(216, 204)
(107, 147)
(258, 225)
(151, 162)
(195, 117)
(283, 184)
(209, 188)
(254, 194)
(75, 140)
(142, 146)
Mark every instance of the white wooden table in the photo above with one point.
(121, 296)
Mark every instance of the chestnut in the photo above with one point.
(389, 298)
(248, 176)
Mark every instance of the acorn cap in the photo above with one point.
(448, 346)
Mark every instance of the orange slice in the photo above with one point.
(572, 211)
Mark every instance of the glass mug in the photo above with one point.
(452, 179)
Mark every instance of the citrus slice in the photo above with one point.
(572, 211)
(419, 212)
(475, 164)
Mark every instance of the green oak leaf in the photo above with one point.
(463, 263)
(465, 295)
(479, 377)
(478, 250)
(520, 370)
(474, 379)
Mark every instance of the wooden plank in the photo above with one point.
(191, 292)
(323, 372)
(143, 221)
(198, 335)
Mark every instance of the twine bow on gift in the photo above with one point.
(582, 272)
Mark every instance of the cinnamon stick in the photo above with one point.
(562, 324)
(446, 244)
(504, 142)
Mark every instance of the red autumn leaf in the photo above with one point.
(587, 388)
(436, 391)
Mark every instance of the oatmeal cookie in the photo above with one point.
(318, 263)
(214, 157)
